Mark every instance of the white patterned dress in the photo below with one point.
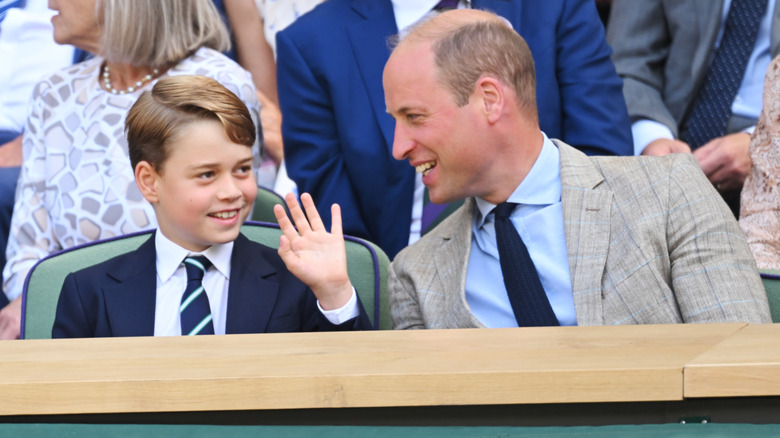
(76, 183)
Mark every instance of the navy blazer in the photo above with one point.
(338, 137)
(117, 297)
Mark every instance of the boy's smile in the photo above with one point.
(205, 189)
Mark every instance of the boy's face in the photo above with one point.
(206, 188)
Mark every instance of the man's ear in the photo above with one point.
(146, 179)
(491, 93)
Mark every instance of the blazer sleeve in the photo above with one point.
(314, 157)
(638, 33)
(402, 296)
(714, 276)
(594, 114)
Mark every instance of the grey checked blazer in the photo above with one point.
(649, 241)
(662, 49)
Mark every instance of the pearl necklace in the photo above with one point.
(130, 89)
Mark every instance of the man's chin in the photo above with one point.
(440, 197)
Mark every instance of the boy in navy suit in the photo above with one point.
(190, 145)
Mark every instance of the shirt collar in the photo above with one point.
(409, 12)
(170, 255)
(542, 185)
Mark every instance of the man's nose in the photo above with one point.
(402, 143)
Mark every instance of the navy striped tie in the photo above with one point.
(195, 311)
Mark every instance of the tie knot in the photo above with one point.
(196, 266)
(504, 210)
(444, 5)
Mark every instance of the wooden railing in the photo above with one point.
(389, 369)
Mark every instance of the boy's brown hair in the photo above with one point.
(160, 115)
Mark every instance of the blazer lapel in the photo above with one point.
(251, 296)
(369, 40)
(707, 13)
(586, 224)
(451, 262)
(131, 295)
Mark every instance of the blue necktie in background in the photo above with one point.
(712, 109)
(443, 5)
(526, 294)
(195, 310)
(433, 214)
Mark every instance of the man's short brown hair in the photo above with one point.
(160, 115)
(466, 48)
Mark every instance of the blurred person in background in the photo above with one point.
(759, 214)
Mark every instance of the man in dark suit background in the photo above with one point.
(665, 51)
(338, 138)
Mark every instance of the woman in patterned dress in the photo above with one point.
(759, 214)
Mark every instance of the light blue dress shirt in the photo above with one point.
(539, 221)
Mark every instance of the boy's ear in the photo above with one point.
(146, 180)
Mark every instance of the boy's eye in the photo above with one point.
(244, 169)
(206, 175)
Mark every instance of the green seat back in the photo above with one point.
(366, 264)
(263, 210)
(771, 279)
(44, 282)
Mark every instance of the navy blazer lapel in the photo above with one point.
(369, 37)
(130, 295)
(251, 295)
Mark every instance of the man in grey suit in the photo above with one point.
(620, 240)
(664, 50)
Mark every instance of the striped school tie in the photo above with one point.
(195, 311)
